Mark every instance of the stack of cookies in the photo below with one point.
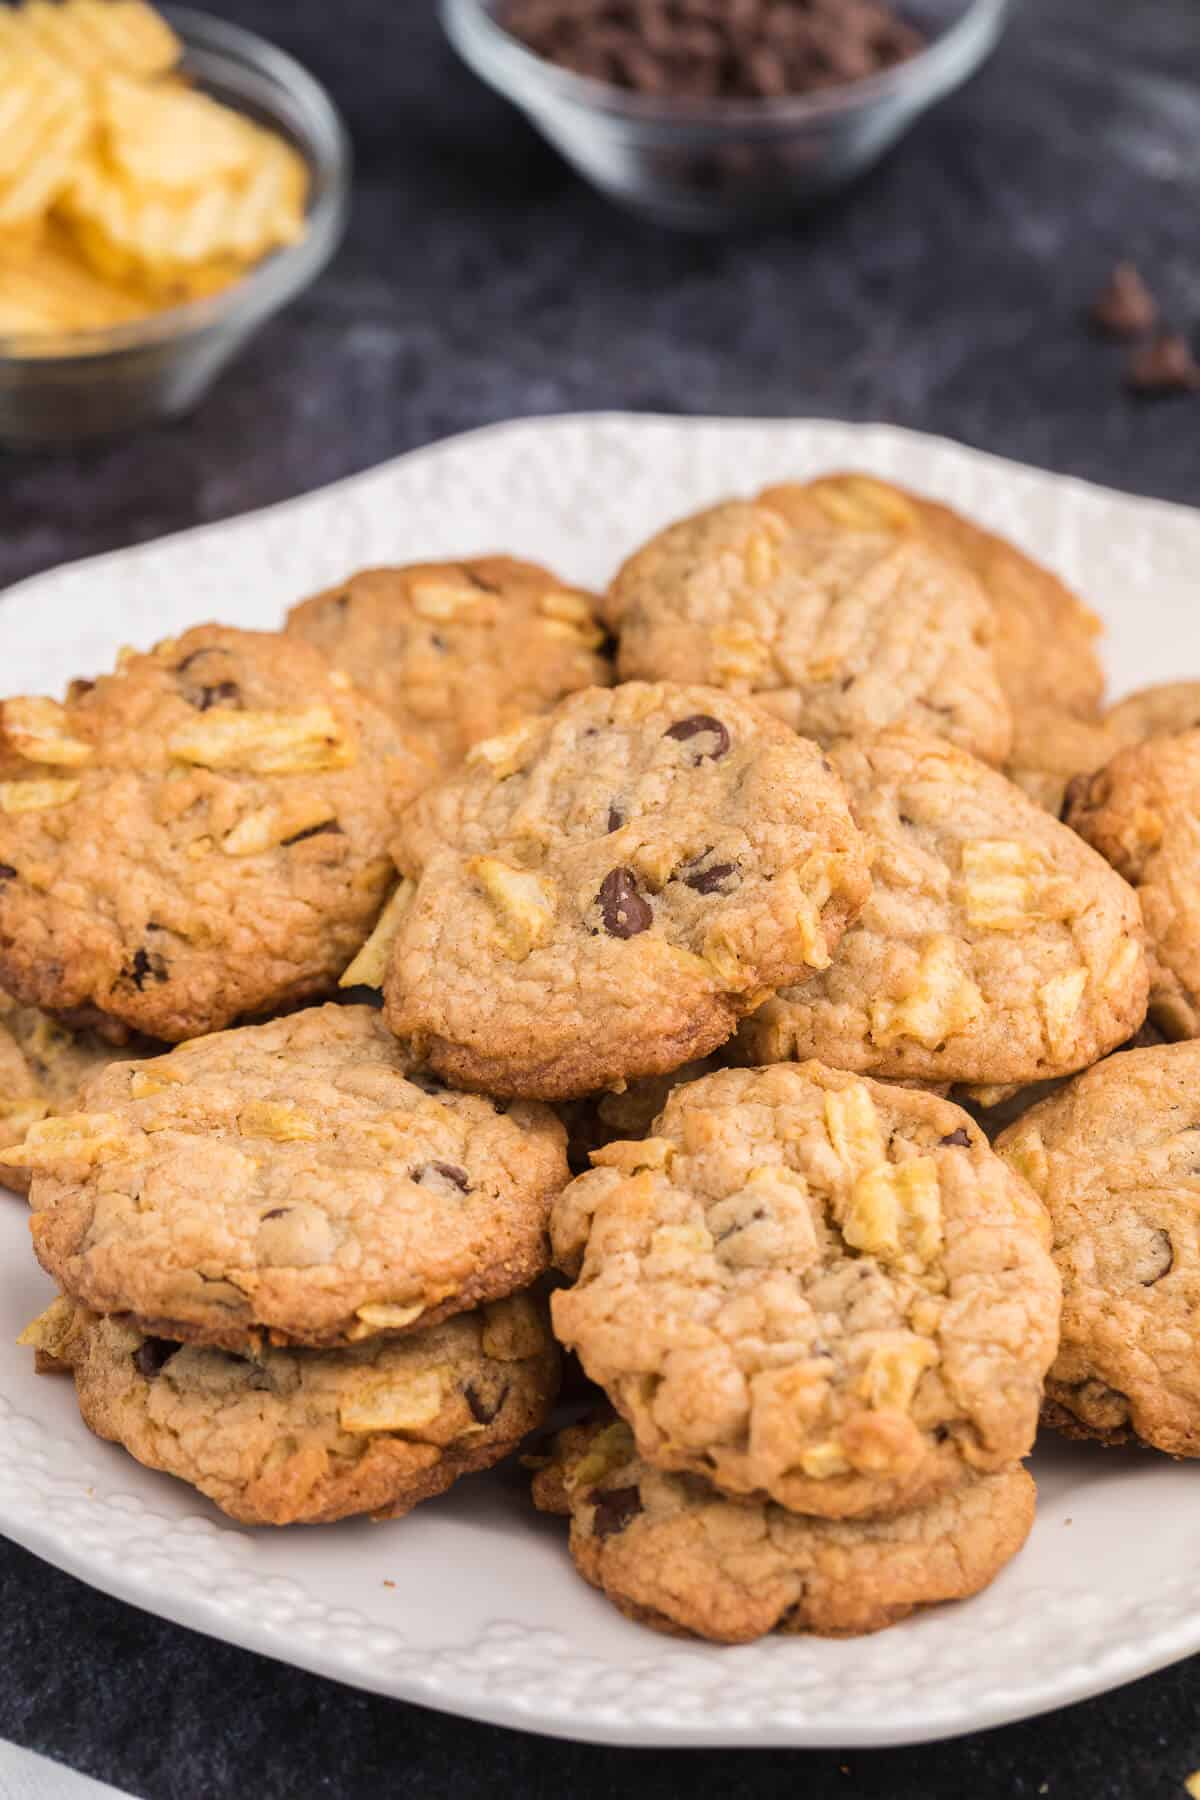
(739, 894)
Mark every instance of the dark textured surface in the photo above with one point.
(480, 282)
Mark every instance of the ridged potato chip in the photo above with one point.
(45, 288)
(94, 37)
(164, 237)
(45, 119)
(170, 137)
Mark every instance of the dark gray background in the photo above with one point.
(480, 281)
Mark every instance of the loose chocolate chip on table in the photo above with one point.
(701, 724)
(622, 908)
(1124, 307)
(1165, 366)
(961, 1138)
(483, 1410)
(431, 1173)
(152, 1355)
(147, 965)
(615, 1508)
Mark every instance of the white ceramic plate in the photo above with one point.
(471, 1604)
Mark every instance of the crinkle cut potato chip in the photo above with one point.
(93, 37)
(124, 190)
(44, 123)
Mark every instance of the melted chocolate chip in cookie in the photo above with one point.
(624, 911)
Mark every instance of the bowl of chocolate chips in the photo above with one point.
(703, 114)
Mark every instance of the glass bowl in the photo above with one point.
(711, 164)
(63, 389)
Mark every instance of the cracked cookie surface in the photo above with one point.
(813, 1288)
(458, 651)
(836, 631)
(199, 836)
(996, 946)
(672, 1553)
(1141, 811)
(306, 1437)
(298, 1181)
(600, 895)
(1045, 643)
(1114, 1157)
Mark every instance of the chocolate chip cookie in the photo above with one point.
(995, 947)
(1141, 811)
(673, 1554)
(1045, 643)
(1163, 710)
(306, 1437)
(457, 652)
(837, 632)
(43, 1064)
(812, 1288)
(200, 836)
(297, 1182)
(1115, 1158)
(600, 894)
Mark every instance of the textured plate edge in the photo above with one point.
(1117, 1664)
(896, 436)
(1008, 1709)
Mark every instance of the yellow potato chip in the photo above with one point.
(49, 288)
(170, 137)
(45, 119)
(161, 237)
(98, 36)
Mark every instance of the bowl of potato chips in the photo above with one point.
(167, 183)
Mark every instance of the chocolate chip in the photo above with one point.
(330, 828)
(698, 725)
(715, 879)
(1165, 366)
(482, 1410)
(622, 908)
(152, 1355)
(431, 1174)
(616, 818)
(147, 965)
(614, 1509)
(7, 872)
(277, 1212)
(960, 1138)
(1124, 307)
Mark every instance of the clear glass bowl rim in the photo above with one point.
(531, 79)
(265, 289)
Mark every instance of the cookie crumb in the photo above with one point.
(1165, 365)
(1124, 307)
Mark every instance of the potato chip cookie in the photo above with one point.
(1115, 1158)
(43, 1065)
(673, 1554)
(1045, 643)
(299, 1182)
(1142, 812)
(1051, 749)
(1163, 710)
(995, 948)
(600, 894)
(458, 651)
(306, 1437)
(200, 836)
(836, 632)
(812, 1288)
